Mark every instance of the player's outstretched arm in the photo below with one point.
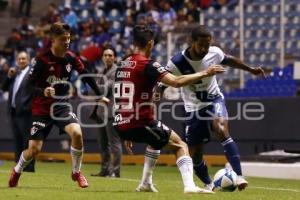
(237, 63)
(183, 80)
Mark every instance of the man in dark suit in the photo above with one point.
(108, 139)
(19, 104)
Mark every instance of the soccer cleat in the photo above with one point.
(228, 166)
(196, 189)
(146, 188)
(241, 183)
(209, 187)
(14, 178)
(81, 180)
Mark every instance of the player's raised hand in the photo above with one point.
(214, 69)
(258, 71)
(49, 92)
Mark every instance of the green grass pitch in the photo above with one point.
(52, 181)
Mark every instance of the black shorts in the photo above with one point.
(156, 134)
(42, 125)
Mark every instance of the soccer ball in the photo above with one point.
(225, 180)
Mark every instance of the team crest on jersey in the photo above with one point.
(118, 118)
(160, 68)
(68, 67)
(33, 130)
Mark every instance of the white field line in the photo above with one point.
(137, 181)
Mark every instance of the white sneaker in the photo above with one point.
(241, 183)
(196, 189)
(210, 186)
(146, 188)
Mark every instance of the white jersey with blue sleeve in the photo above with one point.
(203, 93)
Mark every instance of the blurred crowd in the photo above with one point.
(96, 23)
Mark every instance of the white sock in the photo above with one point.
(185, 166)
(76, 159)
(22, 163)
(151, 157)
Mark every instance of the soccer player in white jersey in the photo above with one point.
(204, 103)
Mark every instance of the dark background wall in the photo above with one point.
(279, 127)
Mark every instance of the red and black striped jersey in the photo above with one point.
(135, 80)
(50, 70)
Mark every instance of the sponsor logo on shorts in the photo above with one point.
(119, 120)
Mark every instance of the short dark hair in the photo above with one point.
(110, 47)
(142, 35)
(200, 31)
(59, 28)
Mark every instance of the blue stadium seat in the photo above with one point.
(84, 15)
(116, 27)
(114, 14)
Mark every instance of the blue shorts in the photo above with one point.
(199, 123)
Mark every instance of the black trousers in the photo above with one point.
(21, 125)
(110, 146)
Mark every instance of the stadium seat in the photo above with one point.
(84, 15)
(116, 27)
(114, 14)
(210, 22)
(275, 8)
(99, 13)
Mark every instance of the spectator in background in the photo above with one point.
(70, 17)
(52, 13)
(30, 42)
(85, 40)
(24, 26)
(12, 44)
(218, 4)
(19, 105)
(167, 17)
(22, 6)
(152, 10)
(90, 55)
(181, 18)
(129, 23)
(41, 28)
(154, 26)
(4, 67)
(100, 37)
(141, 19)
(204, 4)
(193, 11)
(108, 140)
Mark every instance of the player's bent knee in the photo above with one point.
(183, 145)
(34, 151)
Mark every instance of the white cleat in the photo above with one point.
(146, 188)
(210, 186)
(241, 183)
(196, 189)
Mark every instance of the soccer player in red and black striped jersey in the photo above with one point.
(134, 112)
(50, 76)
